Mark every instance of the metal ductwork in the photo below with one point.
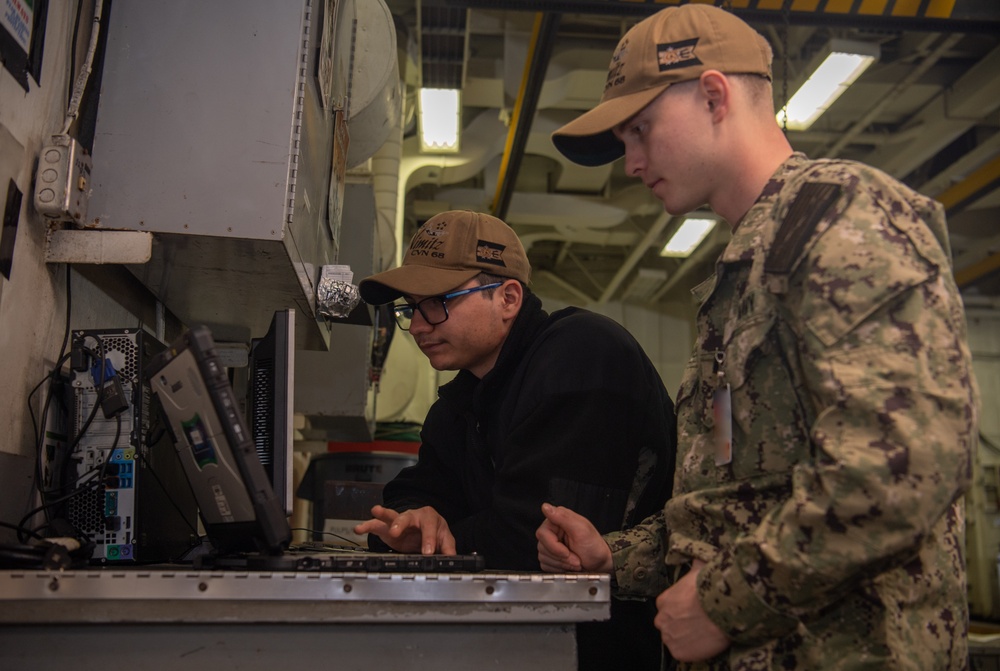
(375, 103)
(443, 36)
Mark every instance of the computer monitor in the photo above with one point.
(238, 506)
(270, 407)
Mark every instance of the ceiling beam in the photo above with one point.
(648, 240)
(976, 271)
(564, 285)
(893, 94)
(583, 269)
(708, 249)
(959, 170)
(957, 109)
(982, 249)
(982, 16)
(972, 188)
(961, 195)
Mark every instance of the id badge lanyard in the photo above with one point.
(722, 413)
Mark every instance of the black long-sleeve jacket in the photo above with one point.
(563, 417)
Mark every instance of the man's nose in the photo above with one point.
(634, 162)
(418, 324)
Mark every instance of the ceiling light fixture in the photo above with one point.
(687, 237)
(841, 62)
(440, 112)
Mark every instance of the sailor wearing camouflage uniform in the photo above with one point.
(827, 418)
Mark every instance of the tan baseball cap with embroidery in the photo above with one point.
(449, 250)
(676, 44)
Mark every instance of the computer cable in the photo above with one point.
(353, 543)
(54, 377)
(85, 482)
(45, 553)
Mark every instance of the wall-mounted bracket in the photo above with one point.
(93, 246)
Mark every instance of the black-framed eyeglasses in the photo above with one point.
(434, 309)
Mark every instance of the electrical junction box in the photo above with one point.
(62, 180)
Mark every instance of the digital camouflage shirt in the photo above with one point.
(833, 526)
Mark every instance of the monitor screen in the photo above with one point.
(270, 408)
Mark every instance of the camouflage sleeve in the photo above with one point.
(638, 557)
(884, 363)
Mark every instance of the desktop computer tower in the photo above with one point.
(123, 485)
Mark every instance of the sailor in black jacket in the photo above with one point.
(563, 408)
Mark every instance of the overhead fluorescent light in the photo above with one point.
(440, 111)
(687, 238)
(840, 64)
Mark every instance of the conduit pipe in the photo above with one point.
(542, 39)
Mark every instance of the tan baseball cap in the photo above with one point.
(449, 250)
(674, 45)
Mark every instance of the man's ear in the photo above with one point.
(512, 296)
(715, 90)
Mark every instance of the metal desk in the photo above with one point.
(169, 619)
